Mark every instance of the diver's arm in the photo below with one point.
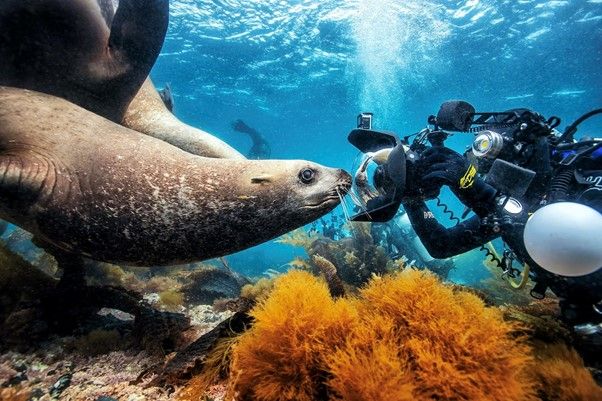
(442, 242)
(480, 197)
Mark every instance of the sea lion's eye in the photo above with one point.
(307, 175)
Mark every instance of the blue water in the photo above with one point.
(300, 71)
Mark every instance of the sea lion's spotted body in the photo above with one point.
(86, 185)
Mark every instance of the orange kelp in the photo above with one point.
(407, 336)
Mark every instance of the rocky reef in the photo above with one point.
(403, 336)
(348, 324)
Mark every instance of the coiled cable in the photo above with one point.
(489, 254)
(447, 211)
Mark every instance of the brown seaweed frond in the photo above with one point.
(216, 368)
(171, 299)
(459, 348)
(281, 357)
(299, 264)
(99, 342)
(259, 290)
(299, 238)
(14, 394)
(328, 269)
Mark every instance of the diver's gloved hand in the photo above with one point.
(443, 166)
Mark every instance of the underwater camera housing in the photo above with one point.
(501, 146)
(364, 120)
(398, 158)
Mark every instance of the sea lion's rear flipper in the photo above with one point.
(137, 33)
(147, 114)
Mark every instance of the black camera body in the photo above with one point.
(504, 140)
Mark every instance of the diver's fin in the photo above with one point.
(241, 126)
(372, 141)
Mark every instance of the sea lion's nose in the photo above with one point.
(344, 181)
(343, 175)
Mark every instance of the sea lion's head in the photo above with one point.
(273, 197)
(307, 190)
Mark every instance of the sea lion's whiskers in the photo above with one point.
(343, 206)
(356, 200)
(346, 214)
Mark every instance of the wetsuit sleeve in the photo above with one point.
(442, 242)
(480, 197)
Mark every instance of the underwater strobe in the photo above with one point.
(564, 238)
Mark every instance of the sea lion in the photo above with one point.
(88, 186)
(148, 114)
(167, 97)
(66, 49)
(261, 148)
(85, 52)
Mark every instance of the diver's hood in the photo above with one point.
(384, 207)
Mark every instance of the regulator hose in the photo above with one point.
(571, 129)
(447, 211)
(559, 186)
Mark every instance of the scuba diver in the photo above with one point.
(536, 188)
(261, 148)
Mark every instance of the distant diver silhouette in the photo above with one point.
(261, 148)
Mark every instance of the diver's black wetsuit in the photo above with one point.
(577, 294)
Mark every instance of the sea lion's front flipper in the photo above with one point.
(137, 33)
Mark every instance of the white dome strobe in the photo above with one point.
(565, 238)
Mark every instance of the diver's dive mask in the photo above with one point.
(383, 197)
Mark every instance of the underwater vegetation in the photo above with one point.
(14, 394)
(562, 376)
(99, 341)
(356, 258)
(22, 287)
(405, 336)
(498, 290)
(204, 286)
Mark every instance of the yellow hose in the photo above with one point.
(517, 285)
(523, 280)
